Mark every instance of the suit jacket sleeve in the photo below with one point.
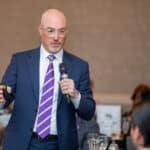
(87, 104)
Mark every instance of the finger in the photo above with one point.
(64, 90)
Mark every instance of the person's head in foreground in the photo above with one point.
(140, 129)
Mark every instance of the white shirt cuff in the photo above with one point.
(76, 101)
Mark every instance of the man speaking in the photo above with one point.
(43, 118)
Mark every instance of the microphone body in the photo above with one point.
(64, 75)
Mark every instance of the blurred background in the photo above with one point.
(112, 35)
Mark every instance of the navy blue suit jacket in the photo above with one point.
(23, 76)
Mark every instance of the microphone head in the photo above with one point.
(62, 68)
(64, 75)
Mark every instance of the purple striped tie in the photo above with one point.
(45, 107)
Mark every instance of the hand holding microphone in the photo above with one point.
(67, 85)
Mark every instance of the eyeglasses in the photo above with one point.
(51, 32)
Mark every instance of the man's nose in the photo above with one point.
(56, 35)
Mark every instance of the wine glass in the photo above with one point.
(113, 145)
(103, 142)
(93, 141)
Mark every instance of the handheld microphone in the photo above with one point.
(64, 75)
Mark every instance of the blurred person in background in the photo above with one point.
(136, 95)
(139, 97)
(85, 128)
(5, 115)
(140, 128)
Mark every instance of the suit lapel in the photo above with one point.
(33, 64)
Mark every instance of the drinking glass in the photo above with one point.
(103, 142)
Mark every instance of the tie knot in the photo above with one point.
(51, 57)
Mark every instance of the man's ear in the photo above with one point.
(39, 29)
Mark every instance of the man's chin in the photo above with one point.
(54, 49)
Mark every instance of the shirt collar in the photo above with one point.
(45, 54)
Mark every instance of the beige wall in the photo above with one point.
(112, 35)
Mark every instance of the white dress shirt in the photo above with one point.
(44, 62)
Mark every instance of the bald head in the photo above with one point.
(53, 30)
(53, 16)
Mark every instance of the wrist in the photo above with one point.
(75, 94)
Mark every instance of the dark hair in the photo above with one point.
(138, 90)
(142, 120)
(146, 96)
